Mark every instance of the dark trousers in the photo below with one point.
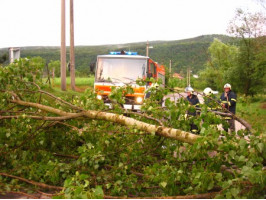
(231, 125)
(194, 129)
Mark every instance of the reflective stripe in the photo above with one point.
(194, 130)
(233, 99)
(227, 118)
(224, 101)
(229, 103)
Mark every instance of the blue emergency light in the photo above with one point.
(123, 53)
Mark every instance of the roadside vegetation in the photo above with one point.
(70, 145)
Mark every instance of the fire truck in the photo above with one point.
(123, 68)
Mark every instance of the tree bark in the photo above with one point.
(120, 119)
(72, 51)
(43, 185)
(63, 46)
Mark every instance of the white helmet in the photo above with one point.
(207, 91)
(227, 85)
(189, 89)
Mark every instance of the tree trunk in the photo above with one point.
(72, 51)
(120, 119)
(63, 47)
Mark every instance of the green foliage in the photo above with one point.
(175, 82)
(183, 53)
(79, 81)
(243, 65)
(218, 69)
(244, 70)
(253, 110)
(95, 158)
(3, 58)
(55, 65)
(78, 187)
(249, 73)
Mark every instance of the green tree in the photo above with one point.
(223, 57)
(55, 65)
(3, 58)
(249, 73)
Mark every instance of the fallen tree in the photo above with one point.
(177, 134)
(77, 145)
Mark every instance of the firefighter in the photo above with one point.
(228, 101)
(193, 100)
(152, 89)
(210, 98)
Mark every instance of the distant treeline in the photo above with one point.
(183, 53)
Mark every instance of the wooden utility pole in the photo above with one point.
(72, 52)
(147, 48)
(188, 77)
(63, 46)
(170, 67)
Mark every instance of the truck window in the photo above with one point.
(152, 68)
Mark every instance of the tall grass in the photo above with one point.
(80, 81)
(254, 113)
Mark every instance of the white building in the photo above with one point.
(14, 53)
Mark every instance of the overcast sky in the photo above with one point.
(37, 22)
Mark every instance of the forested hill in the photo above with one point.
(183, 53)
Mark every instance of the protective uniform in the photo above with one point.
(210, 102)
(229, 100)
(193, 100)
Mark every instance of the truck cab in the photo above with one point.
(121, 68)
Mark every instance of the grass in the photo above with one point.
(82, 83)
(59, 93)
(254, 113)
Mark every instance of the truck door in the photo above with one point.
(152, 69)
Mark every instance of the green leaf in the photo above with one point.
(241, 159)
(98, 192)
(67, 182)
(232, 153)
(219, 176)
(83, 176)
(260, 147)
(235, 192)
(242, 143)
(108, 185)
(210, 185)
(163, 184)
(8, 134)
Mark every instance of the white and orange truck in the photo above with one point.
(121, 68)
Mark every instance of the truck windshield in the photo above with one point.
(126, 70)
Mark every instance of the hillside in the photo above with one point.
(183, 53)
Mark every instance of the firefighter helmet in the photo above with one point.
(207, 91)
(227, 85)
(189, 89)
